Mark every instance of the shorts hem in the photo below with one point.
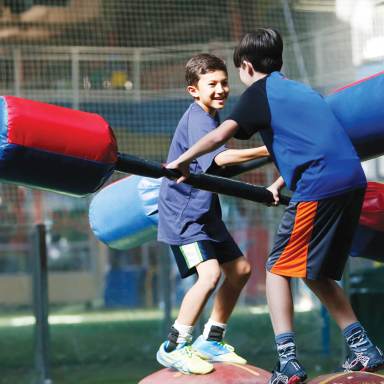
(286, 274)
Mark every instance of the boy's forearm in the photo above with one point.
(237, 156)
(210, 141)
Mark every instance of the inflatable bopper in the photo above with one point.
(368, 241)
(224, 373)
(372, 213)
(54, 148)
(359, 107)
(349, 378)
(124, 214)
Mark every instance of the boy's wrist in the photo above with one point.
(183, 159)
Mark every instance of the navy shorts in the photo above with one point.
(314, 237)
(187, 256)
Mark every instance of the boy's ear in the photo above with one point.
(248, 67)
(193, 91)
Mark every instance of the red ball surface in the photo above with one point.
(224, 373)
(349, 378)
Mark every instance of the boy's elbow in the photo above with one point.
(220, 159)
(220, 139)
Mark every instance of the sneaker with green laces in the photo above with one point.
(184, 359)
(216, 351)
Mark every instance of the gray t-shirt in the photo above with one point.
(187, 214)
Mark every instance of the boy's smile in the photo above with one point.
(211, 91)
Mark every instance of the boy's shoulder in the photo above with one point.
(196, 110)
(196, 117)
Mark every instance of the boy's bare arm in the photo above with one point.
(207, 143)
(237, 156)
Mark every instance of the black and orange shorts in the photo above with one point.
(314, 237)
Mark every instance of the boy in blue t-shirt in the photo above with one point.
(317, 161)
(190, 222)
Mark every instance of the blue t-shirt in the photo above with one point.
(310, 148)
(187, 214)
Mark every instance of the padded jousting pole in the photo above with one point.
(212, 183)
(73, 152)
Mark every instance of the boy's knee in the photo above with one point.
(209, 280)
(242, 274)
(245, 271)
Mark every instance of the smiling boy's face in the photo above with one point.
(211, 91)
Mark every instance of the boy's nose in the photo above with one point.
(219, 88)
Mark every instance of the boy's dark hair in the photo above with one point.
(263, 48)
(200, 65)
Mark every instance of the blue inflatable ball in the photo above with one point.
(359, 107)
(124, 214)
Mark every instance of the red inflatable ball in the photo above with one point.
(349, 378)
(224, 373)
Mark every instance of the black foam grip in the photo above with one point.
(217, 184)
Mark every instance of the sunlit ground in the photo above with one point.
(99, 346)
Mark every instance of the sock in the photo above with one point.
(286, 347)
(214, 331)
(179, 334)
(356, 338)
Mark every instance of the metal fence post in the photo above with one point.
(40, 306)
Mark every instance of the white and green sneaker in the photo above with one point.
(216, 351)
(184, 359)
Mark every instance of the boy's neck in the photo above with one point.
(212, 112)
(256, 76)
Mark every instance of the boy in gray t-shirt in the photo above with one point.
(190, 222)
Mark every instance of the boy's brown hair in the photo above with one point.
(200, 65)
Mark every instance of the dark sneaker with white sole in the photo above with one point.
(370, 360)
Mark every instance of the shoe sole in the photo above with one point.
(166, 364)
(296, 380)
(223, 361)
(218, 360)
(374, 368)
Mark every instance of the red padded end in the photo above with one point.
(60, 130)
(372, 213)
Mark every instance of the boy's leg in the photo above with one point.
(210, 345)
(195, 299)
(176, 352)
(334, 298)
(193, 303)
(364, 355)
(236, 273)
(288, 259)
(280, 304)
